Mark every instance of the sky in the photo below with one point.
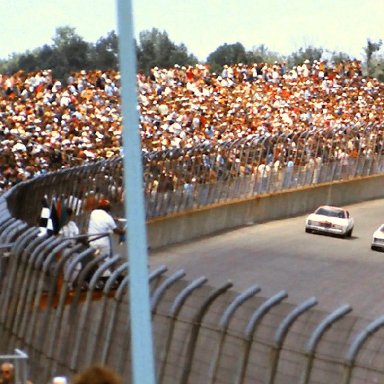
(283, 26)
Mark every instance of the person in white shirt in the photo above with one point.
(101, 226)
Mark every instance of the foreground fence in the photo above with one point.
(202, 334)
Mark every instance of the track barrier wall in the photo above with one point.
(273, 206)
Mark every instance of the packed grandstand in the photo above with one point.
(46, 125)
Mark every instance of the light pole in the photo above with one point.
(141, 331)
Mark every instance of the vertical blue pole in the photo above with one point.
(141, 349)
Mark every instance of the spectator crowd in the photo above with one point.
(46, 125)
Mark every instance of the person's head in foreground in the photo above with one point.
(7, 373)
(97, 374)
(59, 380)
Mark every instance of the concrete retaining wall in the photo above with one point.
(217, 218)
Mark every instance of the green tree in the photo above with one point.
(227, 54)
(369, 51)
(180, 56)
(261, 54)
(380, 75)
(45, 57)
(11, 65)
(28, 62)
(105, 53)
(338, 57)
(308, 53)
(71, 50)
(156, 49)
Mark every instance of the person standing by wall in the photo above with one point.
(101, 226)
(101, 223)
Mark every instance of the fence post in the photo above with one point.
(281, 333)
(223, 326)
(196, 324)
(251, 328)
(356, 345)
(315, 338)
(173, 313)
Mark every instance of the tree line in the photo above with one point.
(69, 52)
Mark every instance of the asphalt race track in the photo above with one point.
(279, 255)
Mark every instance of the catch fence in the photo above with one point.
(179, 180)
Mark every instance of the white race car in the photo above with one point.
(330, 220)
(378, 238)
